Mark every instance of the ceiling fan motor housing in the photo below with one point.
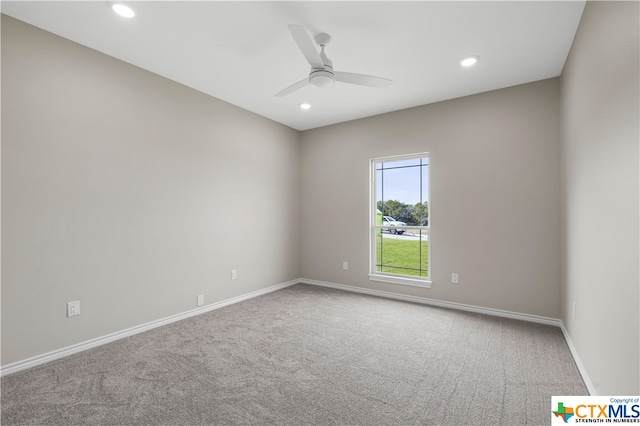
(322, 78)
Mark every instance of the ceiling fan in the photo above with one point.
(322, 73)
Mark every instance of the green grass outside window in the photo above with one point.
(402, 257)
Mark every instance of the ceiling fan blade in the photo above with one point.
(295, 86)
(306, 46)
(362, 79)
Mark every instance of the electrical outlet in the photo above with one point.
(234, 274)
(73, 308)
(454, 278)
(345, 265)
(200, 299)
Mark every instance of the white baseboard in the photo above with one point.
(433, 302)
(83, 346)
(579, 364)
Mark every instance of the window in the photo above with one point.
(400, 220)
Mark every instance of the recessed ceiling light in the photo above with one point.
(468, 61)
(122, 9)
(305, 106)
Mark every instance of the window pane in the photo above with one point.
(402, 184)
(399, 163)
(406, 254)
(402, 190)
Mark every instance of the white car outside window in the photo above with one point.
(394, 226)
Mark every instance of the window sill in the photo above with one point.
(394, 279)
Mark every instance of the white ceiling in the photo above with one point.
(243, 53)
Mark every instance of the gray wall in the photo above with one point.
(130, 193)
(495, 197)
(600, 203)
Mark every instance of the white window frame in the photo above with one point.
(387, 277)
